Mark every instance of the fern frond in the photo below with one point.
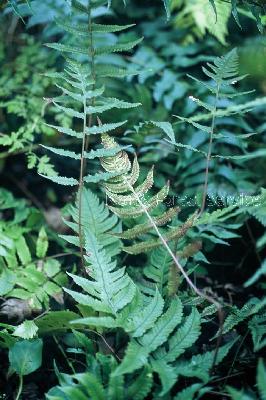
(137, 352)
(199, 365)
(96, 219)
(104, 128)
(157, 268)
(111, 289)
(100, 176)
(261, 379)
(115, 72)
(140, 229)
(82, 29)
(224, 67)
(61, 180)
(64, 48)
(142, 316)
(236, 316)
(184, 337)
(118, 47)
(174, 234)
(257, 326)
(66, 131)
(141, 386)
(166, 373)
(127, 205)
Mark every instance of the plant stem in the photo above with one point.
(209, 154)
(20, 387)
(85, 140)
(81, 183)
(69, 363)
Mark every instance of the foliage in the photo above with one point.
(26, 274)
(155, 205)
(22, 90)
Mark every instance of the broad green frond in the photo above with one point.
(157, 268)
(138, 351)
(144, 317)
(96, 219)
(110, 289)
(184, 337)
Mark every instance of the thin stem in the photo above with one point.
(209, 154)
(69, 363)
(235, 358)
(81, 183)
(85, 140)
(20, 387)
(93, 74)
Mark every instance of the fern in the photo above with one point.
(199, 365)
(96, 384)
(257, 326)
(121, 191)
(78, 85)
(236, 316)
(223, 75)
(112, 289)
(157, 269)
(25, 274)
(97, 220)
(260, 378)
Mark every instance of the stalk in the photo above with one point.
(209, 154)
(85, 138)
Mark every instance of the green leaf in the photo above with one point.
(166, 373)
(104, 128)
(23, 250)
(259, 273)
(146, 318)
(185, 336)
(56, 321)
(42, 243)
(66, 131)
(135, 357)
(110, 28)
(62, 152)
(26, 356)
(167, 128)
(63, 48)
(61, 180)
(261, 379)
(26, 330)
(7, 281)
(118, 47)
(206, 19)
(157, 335)
(100, 176)
(189, 392)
